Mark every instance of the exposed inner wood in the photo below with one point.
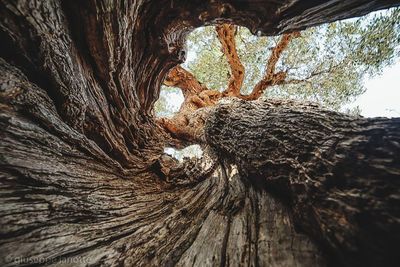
(197, 96)
(83, 177)
(226, 36)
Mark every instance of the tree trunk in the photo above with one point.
(338, 174)
(82, 176)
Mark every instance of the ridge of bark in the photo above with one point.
(337, 173)
(79, 140)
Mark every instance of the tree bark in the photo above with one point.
(338, 174)
(82, 177)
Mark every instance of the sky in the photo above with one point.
(382, 96)
(380, 99)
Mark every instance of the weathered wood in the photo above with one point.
(226, 36)
(338, 173)
(80, 176)
(197, 96)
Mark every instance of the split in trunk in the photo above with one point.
(83, 178)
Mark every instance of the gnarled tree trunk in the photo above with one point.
(338, 174)
(82, 176)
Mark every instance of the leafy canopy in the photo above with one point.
(327, 64)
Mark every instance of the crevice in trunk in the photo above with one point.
(83, 176)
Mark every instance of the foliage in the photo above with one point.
(326, 64)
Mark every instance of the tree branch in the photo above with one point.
(270, 77)
(196, 96)
(313, 74)
(226, 36)
(186, 81)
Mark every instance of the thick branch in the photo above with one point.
(270, 77)
(338, 173)
(78, 146)
(226, 36)
(183, 79)
(182, 127)
(196, 95)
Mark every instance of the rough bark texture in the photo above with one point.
(226, 35)
(184, 125)
(339, 174)
(82, 176)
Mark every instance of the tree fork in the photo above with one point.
(82, 176)
(197, 96)
(271, 77)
